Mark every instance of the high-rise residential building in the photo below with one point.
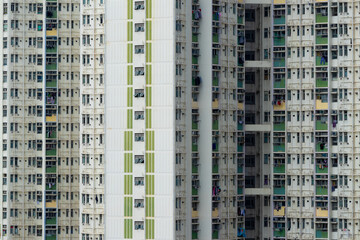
(174, 112)
(179, 119)
(52, 87)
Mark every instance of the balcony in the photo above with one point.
(51, 134)
(215, 38)
(279, 232)
(321, 82)
(51, 49)
(321, 190)
(195, 126)
(321, 147)
(51, 152)
(194, 235)
(195, 169)
(279, 168)
(215, 234)
(215, 168)
(216, 16)
(240, 148)
(322, 212)
(321, 126)
(51, 221)
(51, 204)
(279, 62)
(52, 32)
(240, 190)
(215, 59)
(51, 84)
(279, 41)
(278, 20)
(51, 66)
(321, 234)
(51, 118)
(279, 83)
(50, 186)
(321, 18)
(279, 126)
(215, 147)
(195, 38)
(240, 20)
(240, 126)
(320, 105)
(240, 169)
(215, 213)
(194, 191)
(279, 212)
(321, 61)
(215, 125)
(51, 169)
(321, 169)
(50, 237)
(195, 60)
(321, 39)
(194, 147)
(279, 190)
(279, 147)
(52, 13)
(215, 81)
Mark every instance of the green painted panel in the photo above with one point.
(130, 31)
(128, 182)
(148, 118)
(128, 162)
(130, 53)
(148, 30)
(130, 118)
(150, 162)
(148, 52)
(128, 138)
(148, 8)
(150, 229)
(148, 96)
(130, 75)
(128, 203)
(150, 184)
(148, 74)
(130, 97)
(128, 228)
(130, 8)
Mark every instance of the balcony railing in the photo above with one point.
(51, 221)
(195, 125)
(50, 169)
(194, 147)
(321, 126)
(279, 168)
(321, 61)
(215, 59)
(279, 62)
(194, 191)
(279, 41)
(321, 169)
(51, 84)
(215, 125)
(215, 168)
(279, 232)
(321, 18)
(321, 234)
(321, 190)
(279, 20)
(195, 169)
(279, 126)
(50, 152)
(279, 190)
(279, 83)
(321, 82)
(321, 40)
(279, 147)
(215, 38)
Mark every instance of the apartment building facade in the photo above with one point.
(224, 119)
(52, 119)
